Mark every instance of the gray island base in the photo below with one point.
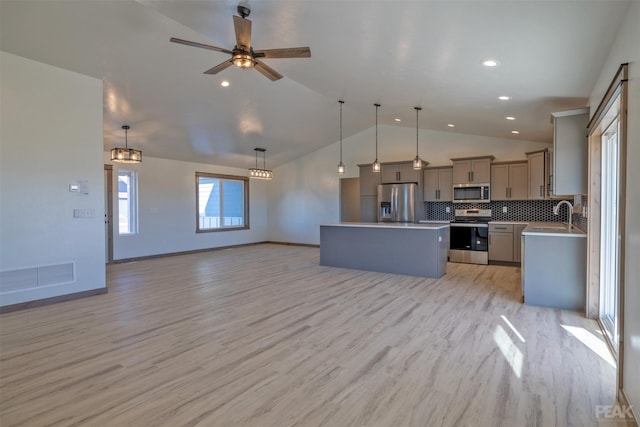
(412, 249)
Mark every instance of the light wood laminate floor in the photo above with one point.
(264, 336)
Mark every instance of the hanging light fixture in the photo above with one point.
(341, 167)
(126, 155)
(258, 173)
(376, 164)
(417, 162)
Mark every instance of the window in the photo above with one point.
(222, 202)
(127, 202)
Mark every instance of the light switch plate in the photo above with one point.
(504, 209)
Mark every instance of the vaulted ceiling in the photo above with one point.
(400, 54)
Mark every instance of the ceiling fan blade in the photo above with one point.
(267, 71)
(219, 67)
(289, 52)
(201, 45)
(243, 32)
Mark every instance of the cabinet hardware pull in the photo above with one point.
(472, 176)
(542, 191)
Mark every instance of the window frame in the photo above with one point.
(133, 202)
(223, 177)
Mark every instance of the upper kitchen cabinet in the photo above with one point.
(369, 181)
(472, 170)
(509, 181)
(569, 173)
(400, 172)
(438, 184)
(538, 172)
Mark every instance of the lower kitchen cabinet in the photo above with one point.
(554, 271)
(501, 242)
(505, 242)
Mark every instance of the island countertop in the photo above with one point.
(395, 225)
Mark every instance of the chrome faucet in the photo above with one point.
(556, 210)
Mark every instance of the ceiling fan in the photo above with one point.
(243, 55)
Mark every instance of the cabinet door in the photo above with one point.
(517, 241)
(430, 188)
(461, 171)
(408, 174)
(518, 185)
(399, 172)
(389, 174)
(445, 185)
(368, 181)
(536, 174)
(501, 247)
(500, 182)
(570, 149)
(481, 171)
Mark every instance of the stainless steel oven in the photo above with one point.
(469, 238)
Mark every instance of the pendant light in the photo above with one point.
(341, 167)
(417, 162)
(376, 164)
(126, 155)
(258, 173)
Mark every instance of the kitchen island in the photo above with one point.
(400, 248)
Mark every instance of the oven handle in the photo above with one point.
(471, 224)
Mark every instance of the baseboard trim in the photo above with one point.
(624, 400)
(307, 245)
(194, 251)
(52, 300)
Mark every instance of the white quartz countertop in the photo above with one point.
(428, 221)
(552, 229)
(509, 222)
(396, 225)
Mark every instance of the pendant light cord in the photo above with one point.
(377, 106)
(417, 110)
(341, 102)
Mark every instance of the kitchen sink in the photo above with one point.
(564, 227)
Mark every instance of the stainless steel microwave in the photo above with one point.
(471, 193)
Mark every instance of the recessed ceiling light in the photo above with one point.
(504, 98)
(451, 125)
(515, 132)
(510, 118)
(397, 120)
(224, 83)
(490, 63)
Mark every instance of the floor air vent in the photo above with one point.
(33, 277)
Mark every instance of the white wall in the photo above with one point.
(50, 137)
(305, 192)
(626, 48)
(167, 209)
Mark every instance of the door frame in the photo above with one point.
(599, 121)
(108, 212)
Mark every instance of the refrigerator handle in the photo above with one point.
(394, 203)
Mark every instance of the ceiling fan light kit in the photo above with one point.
(260, 173)
(126, 155)
(243, 56)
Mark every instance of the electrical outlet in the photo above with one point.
(504, 209)
(448, 209)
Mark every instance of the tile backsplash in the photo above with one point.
(517, 210)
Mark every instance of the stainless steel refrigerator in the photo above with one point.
(399, 203)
